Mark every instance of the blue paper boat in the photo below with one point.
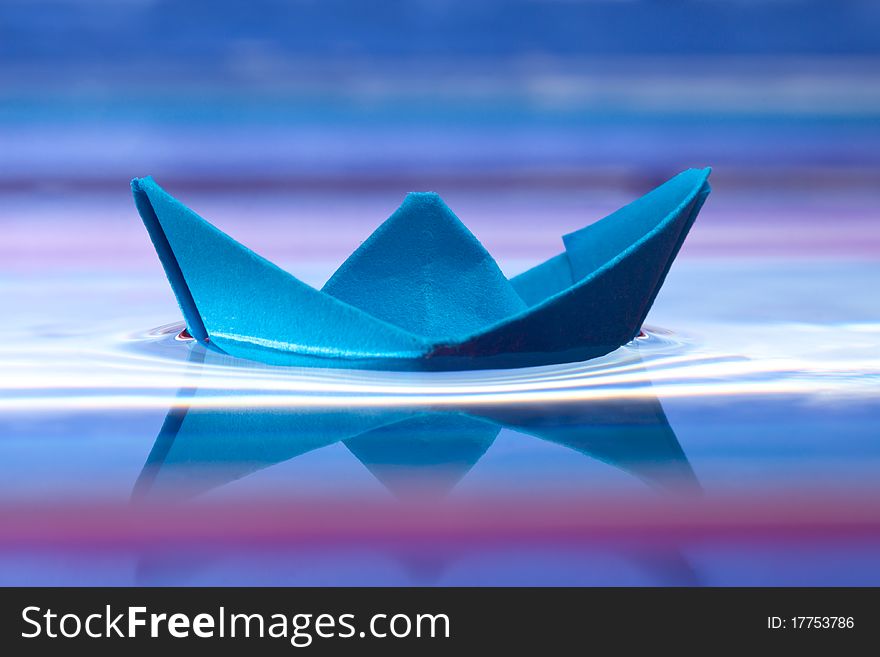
(421, 292)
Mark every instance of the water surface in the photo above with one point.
(734, 442)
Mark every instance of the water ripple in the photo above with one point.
(148, 369)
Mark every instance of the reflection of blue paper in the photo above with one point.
(422, 292)
(411, 451)
(418, 454)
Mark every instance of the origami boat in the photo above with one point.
(421, 292)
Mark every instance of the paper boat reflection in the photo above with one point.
(419, 454)
(414, 452)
